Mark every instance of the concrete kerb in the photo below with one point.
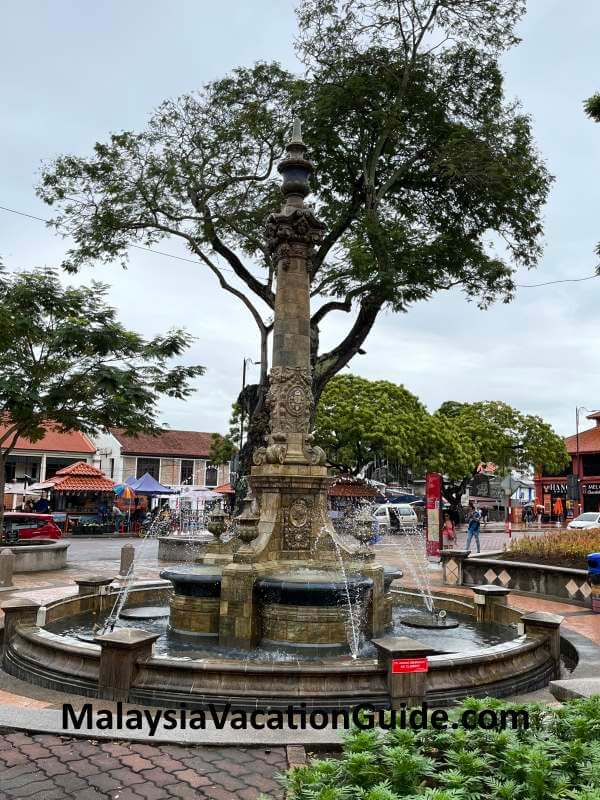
(50, 721)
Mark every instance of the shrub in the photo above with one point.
(556, 758)
(571, 546)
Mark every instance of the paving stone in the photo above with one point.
(168, 763)
(35, 787)
(137, 763)
(52, 766)
(114, 749)
(83, 767)
(143, 749)
(183, 791)
(58, 768)
(151, 792)
(217, 793)
(157, 776)
(104, 782)
(127, 777)
(193, 778)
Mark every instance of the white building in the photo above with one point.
(179, 459)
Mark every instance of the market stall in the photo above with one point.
(81, 500)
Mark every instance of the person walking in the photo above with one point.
(473, 530)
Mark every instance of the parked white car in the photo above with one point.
(396, 518)
(590, 519)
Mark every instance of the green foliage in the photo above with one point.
(66, 359)
(359, 420)
(419, 159)
(592, 107)
(505, 436)
(556, 758)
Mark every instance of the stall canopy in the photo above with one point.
(147, 485)
(81, 477)
(200, 494)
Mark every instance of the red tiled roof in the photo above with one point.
(82, 468)
(73, 484)
(194, 444)
(55, 441)
(81, 477)
(589, 441)
(224, 488)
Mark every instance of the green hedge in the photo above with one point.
(556, 758)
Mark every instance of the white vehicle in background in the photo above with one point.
(396, 518)
(590, 519)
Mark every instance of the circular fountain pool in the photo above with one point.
(470, 660)
(463, 635)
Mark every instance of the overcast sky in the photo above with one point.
(71, 71)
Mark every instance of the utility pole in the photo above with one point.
(245, 362)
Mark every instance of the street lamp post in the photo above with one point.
(245, 362)
(578, 410)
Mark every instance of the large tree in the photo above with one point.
(360, 422)
(66, 361)
(502, 435)
(426, 176)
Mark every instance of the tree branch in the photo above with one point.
(260, 289)
(329, 364)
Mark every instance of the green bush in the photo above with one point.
(556, 758)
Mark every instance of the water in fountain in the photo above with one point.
(155, 529)
(413, 540)
(353, 609)
(418, 564)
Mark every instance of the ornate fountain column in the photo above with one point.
(288, 520)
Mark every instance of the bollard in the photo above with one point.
(405, 688)
(7, 567)
(127, 556)
(487, 599)
(541, 623)
(452, 566)
(119, 654)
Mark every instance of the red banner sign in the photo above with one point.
(433, 503)
(410, 665)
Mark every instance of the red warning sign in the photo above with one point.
(410, 665)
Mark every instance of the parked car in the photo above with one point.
(590, 519)
(396, 518)
(19, 525)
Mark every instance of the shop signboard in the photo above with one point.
(548, 504)
(590, 488)
(433, 504)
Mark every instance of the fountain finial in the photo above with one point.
(297, 131)
(295, 168)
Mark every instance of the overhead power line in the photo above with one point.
(225, 269)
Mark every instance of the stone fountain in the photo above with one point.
(292, 582)
(269, 616)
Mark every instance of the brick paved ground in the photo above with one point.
(57, 768)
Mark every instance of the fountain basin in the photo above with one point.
(308, 588)
(429, 621)
(194, 606)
